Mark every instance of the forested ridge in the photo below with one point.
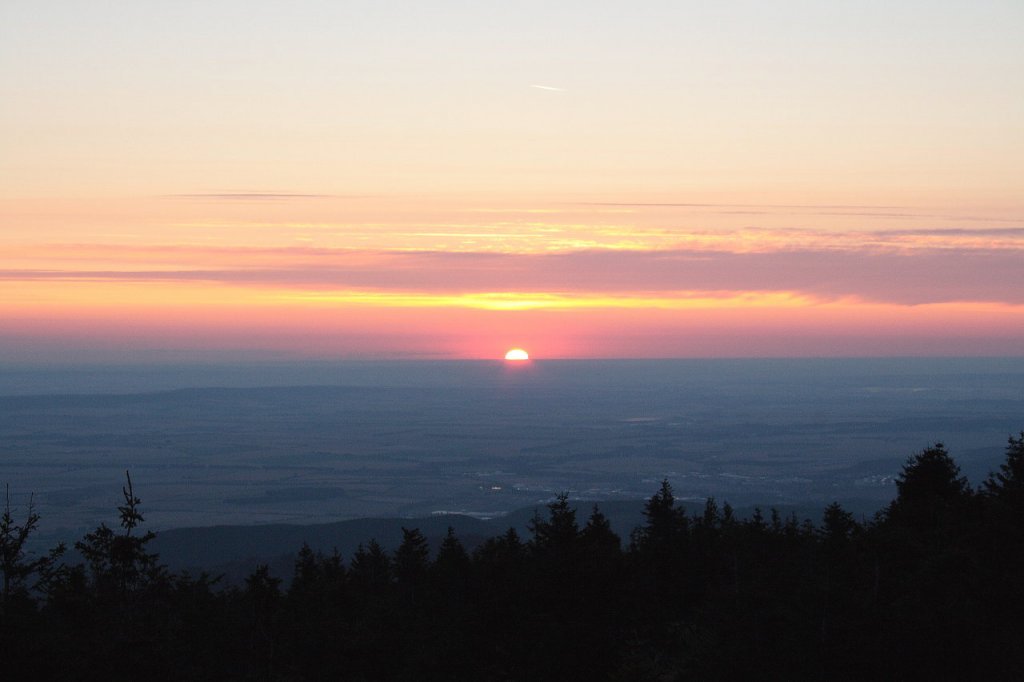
(930, 588)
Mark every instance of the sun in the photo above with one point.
(517, 354)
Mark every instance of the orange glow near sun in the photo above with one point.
(517, 354)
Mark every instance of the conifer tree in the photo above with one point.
(371, 566)
(837, 525)
(119, 563)
(597, 536)
(1007, 484)
(666, 525)
(930, 491)
(15, 564)
(452, 564)
(559, 532)
(412, 558)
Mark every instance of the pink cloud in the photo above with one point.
(902, 276)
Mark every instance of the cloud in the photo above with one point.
(867, 211)
(249, 196)
(901, 276)
(955, 232)
(761, 206)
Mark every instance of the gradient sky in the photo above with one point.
(215, 180)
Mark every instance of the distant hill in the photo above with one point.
(234, 551)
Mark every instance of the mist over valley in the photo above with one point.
(247, 444)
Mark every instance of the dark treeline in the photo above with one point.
(930, 588)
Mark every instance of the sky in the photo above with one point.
(266, 180)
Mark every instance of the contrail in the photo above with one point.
(547, 87)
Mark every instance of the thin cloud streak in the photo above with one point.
(822, 210)
(249, 196)
(955, 232)
(723, 205)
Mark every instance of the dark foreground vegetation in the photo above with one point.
(931, 588)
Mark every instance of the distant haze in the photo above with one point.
(304, 443)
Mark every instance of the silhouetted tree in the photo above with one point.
(660, 547)
(1007, 484)
(15, 565)
(122, 613)
(371, 566)
(263, 597)
(559, 531)
(22, 639)
(845, 582)
(412, 559)
(503, 596)
(316, 613)
(927, 543)
(929, 484)
(1003, 493)
(931, 589)
(666, 526)
(505, 550)
(837, 526)
(597, 539)
(452, 564)
(316, 575)
(119, 563)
